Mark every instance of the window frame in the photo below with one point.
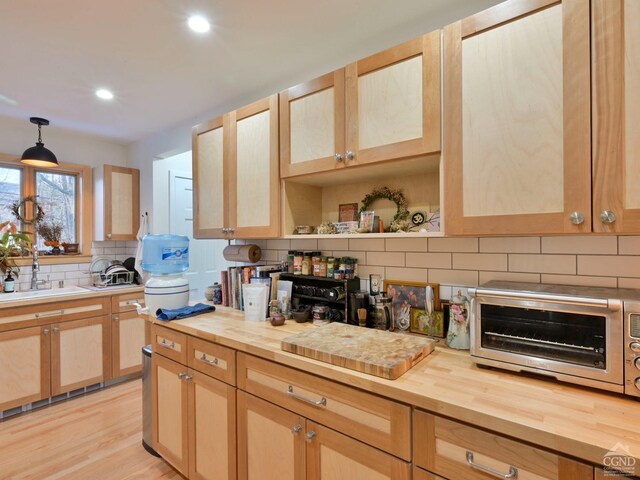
(83, 192)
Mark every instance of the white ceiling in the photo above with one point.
(55, 53)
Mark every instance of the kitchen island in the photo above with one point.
(542, 415)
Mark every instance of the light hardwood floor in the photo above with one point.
(96, 437)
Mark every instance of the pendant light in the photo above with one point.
(39, 156)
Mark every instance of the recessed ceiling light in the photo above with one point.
(104, 94)
(198, 24)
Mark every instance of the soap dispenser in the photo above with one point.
(9, 283)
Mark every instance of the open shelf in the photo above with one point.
(314, 199)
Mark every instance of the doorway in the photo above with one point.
(173, 213)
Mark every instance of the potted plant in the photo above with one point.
(51, 232)
(12, 244)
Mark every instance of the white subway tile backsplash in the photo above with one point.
(406, 244)
(278, 244)
(609, 265)
(329, 244)
(629, 245)
(563, 264)
(629, 283)
(480, 261)
(429, 260)
(509, 277)
(67, 267)
(465, 244)
(368, 244)
(600, 245)
(305, 244)
(391, 259)
(510, 245)
(407, 274)
(453, 277)
(360, 256)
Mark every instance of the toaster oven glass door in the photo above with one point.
(568, 337)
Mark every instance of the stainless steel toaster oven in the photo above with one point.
(584, 335)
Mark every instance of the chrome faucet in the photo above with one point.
(35, 268)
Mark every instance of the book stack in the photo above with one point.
(233, 278)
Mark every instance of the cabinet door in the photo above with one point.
(616, 115)
(312, 126)
(254, 177)
(210, 178)
(461, 452)
(79, 354)
(517, 140)
(169, 411)
(333, 456)
(212, 428)
(24, 356)
(393, 102)
(271, 443)
(127, 340)
(121, 203)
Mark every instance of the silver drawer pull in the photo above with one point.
(204, 359)
(318, 403)
(513, 471)
(164, 343)
(297, 428)
(310, 436)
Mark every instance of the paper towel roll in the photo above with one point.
(242, 253)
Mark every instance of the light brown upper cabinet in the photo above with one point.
(616, 115)
(236, 177)
(517, 133)
(116, 197)
(383, 107)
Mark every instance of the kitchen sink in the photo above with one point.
(52, 292)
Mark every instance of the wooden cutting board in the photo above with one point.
(377, 352)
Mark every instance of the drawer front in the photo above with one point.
(211, 359)
(30, 316)
(169, 343)
(455, 450)
(419, 474)
(126, 302)
(85, 308)
(377, 421)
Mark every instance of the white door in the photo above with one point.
(204, 255)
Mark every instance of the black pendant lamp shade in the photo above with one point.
(39, 156)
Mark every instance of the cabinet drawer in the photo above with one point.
(85, 308)
(169, 343)
(459, 451)
(419, 474)
(30, 316)
(377, 421)
(214, 360)
(126, 302)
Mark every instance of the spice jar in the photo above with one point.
(306, 263)
(343, 264)
(322, 268)
(331, 261)
(290, 258)
(297, 263)
(315, 263)
(348, 272)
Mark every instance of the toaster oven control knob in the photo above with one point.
(636, 362)
(637, 383)
(635, 347)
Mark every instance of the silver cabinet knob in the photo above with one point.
(108, 235)
(116, 318)
(350, 155)
(310, 435)
(576, 218)
(45, 331)
(296, 428)
(607, 216)
(339, 157)
(56, 329)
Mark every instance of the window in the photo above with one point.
(64, 193)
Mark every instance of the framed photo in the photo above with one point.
(366, 221)
(348, 212)
(432, 325)
(408, 296)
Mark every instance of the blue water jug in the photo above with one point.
(165, 254)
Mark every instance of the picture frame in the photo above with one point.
(348, 212)
(366, 221)
(407, 296)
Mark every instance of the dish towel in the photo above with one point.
(142, 231)
(168, 314)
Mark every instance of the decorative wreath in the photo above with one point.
(396, 196)
(38, 212)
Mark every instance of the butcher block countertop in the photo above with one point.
(576, 421)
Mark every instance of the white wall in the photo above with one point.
(16, 135)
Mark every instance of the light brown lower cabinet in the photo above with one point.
(420, 474)
(276, 444)
(194, 421)
(462, 452)
(127, 340)
(25, 360)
